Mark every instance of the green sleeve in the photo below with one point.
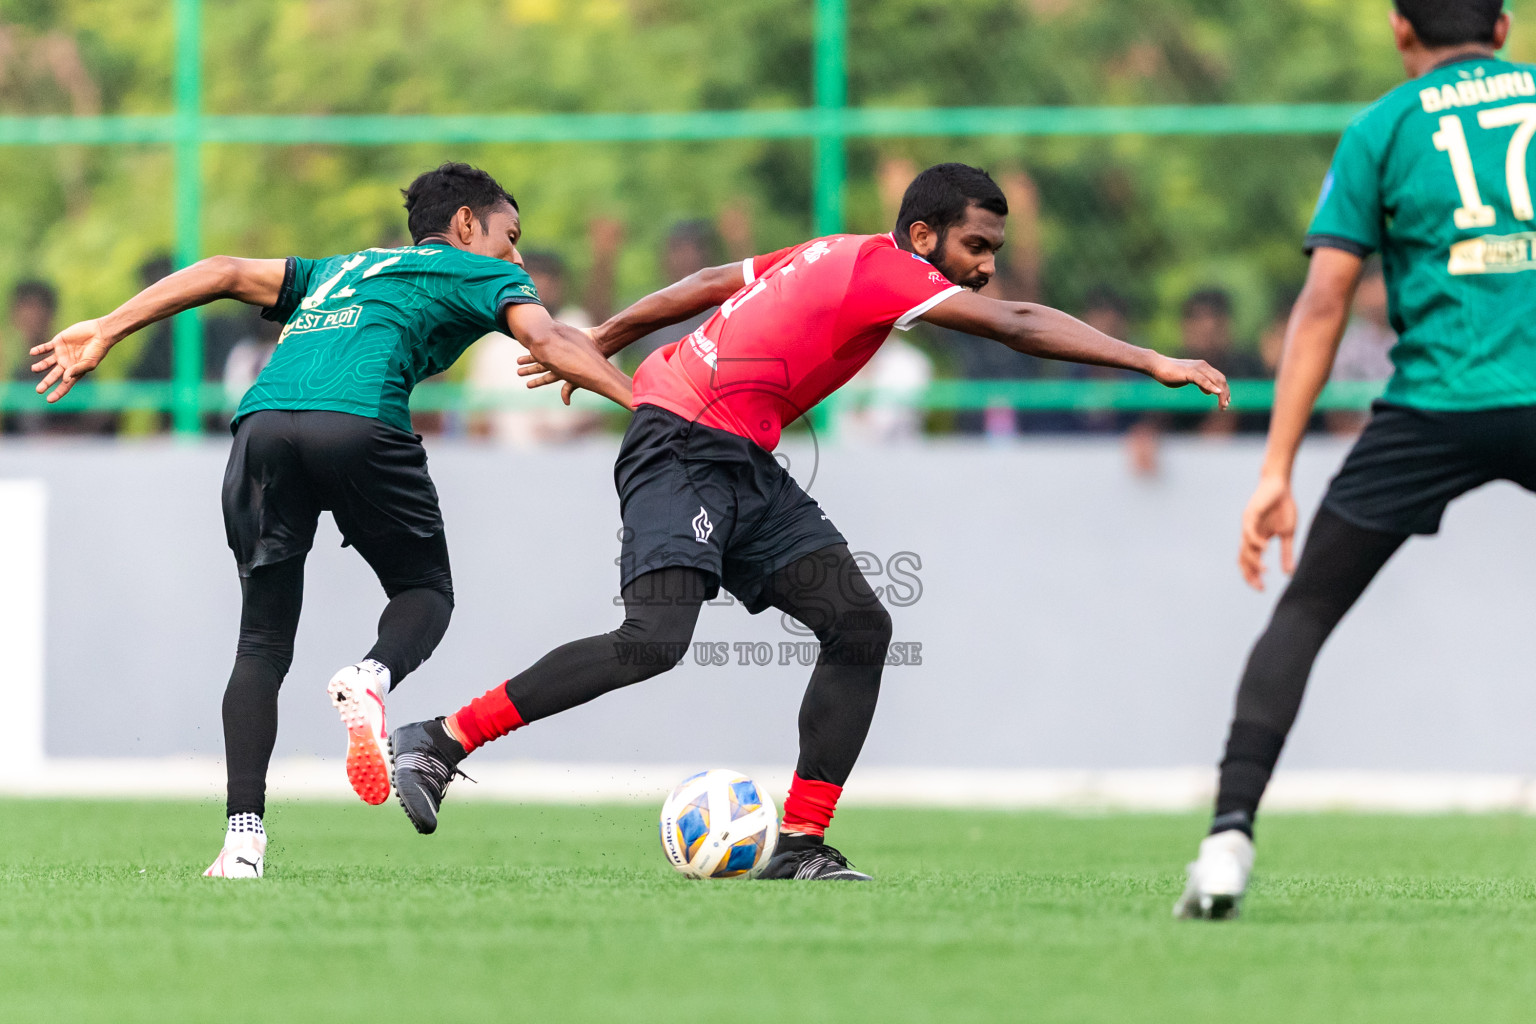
(296, 278)
(484, 294)
(1349, 213)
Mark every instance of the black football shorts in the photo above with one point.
(286, 467)
(695, 496)
(1409, 464)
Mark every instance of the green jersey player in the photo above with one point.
(326, 427)
(1434, 176)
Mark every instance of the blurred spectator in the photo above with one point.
(892, 176)
(605, 237)
(1272, 341)
(33, 307)
(34, 304)
(691, 246)
(892, 381)
(735, 227)
(528, 417)
(1021, 265)
(1206, 332)
(154, 357)
(249, 355)
(1109, 312)
(1365, 351)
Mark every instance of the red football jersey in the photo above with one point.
(804, 322)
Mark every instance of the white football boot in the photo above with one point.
(1218, 877)
(244, 856)
(358, 691)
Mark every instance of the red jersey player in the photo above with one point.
(706, 505)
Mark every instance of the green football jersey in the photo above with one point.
(1434, 176)
(364, 328)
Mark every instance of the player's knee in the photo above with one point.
(858, 635)
(1307, 613)
(654, 641)
(437, 583)
(275, 649)
(443, 591)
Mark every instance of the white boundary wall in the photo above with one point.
(1082, 632)
(23, 546)
(1152, 789)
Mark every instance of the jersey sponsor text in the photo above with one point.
(1494, 254)
(305, 320)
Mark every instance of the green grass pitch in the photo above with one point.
(553, 914)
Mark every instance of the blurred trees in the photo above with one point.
(1152, 216)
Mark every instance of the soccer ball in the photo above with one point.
(718, 824)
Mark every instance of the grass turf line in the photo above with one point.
(570, 914)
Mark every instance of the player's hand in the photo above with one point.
(543, 375)
(1271, 512)
(70, 355)
(1175, 373)
(527, 366)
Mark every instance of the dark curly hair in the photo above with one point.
(1451, 22)
(434, 197)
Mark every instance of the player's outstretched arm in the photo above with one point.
(1311, 342)
(568, 354)
(1051, 334)
(77, 349)
(672, 305)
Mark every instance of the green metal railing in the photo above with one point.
(828, 124)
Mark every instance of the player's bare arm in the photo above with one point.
(671, 305)
(1311, 342)
(76, 350)
(568, 354)
(1051, 334)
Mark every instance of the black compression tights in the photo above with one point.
(824, 590)
(410, 628)
(1337, 564)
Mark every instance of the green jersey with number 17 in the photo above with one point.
(362, 329)
(1434, 175)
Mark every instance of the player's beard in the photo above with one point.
(976, 282)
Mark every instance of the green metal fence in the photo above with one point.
(828, 124)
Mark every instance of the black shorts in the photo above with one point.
(286, 467)
(695, 496)
(1411, 463)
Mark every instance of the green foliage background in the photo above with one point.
(1152, 216)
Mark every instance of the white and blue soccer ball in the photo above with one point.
(719, 824)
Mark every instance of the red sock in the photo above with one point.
(810, 806)
(486, 718)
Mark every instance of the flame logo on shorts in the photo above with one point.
(702, 527)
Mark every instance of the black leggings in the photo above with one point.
(414, 572)
(1338, 562)
(823, 590)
